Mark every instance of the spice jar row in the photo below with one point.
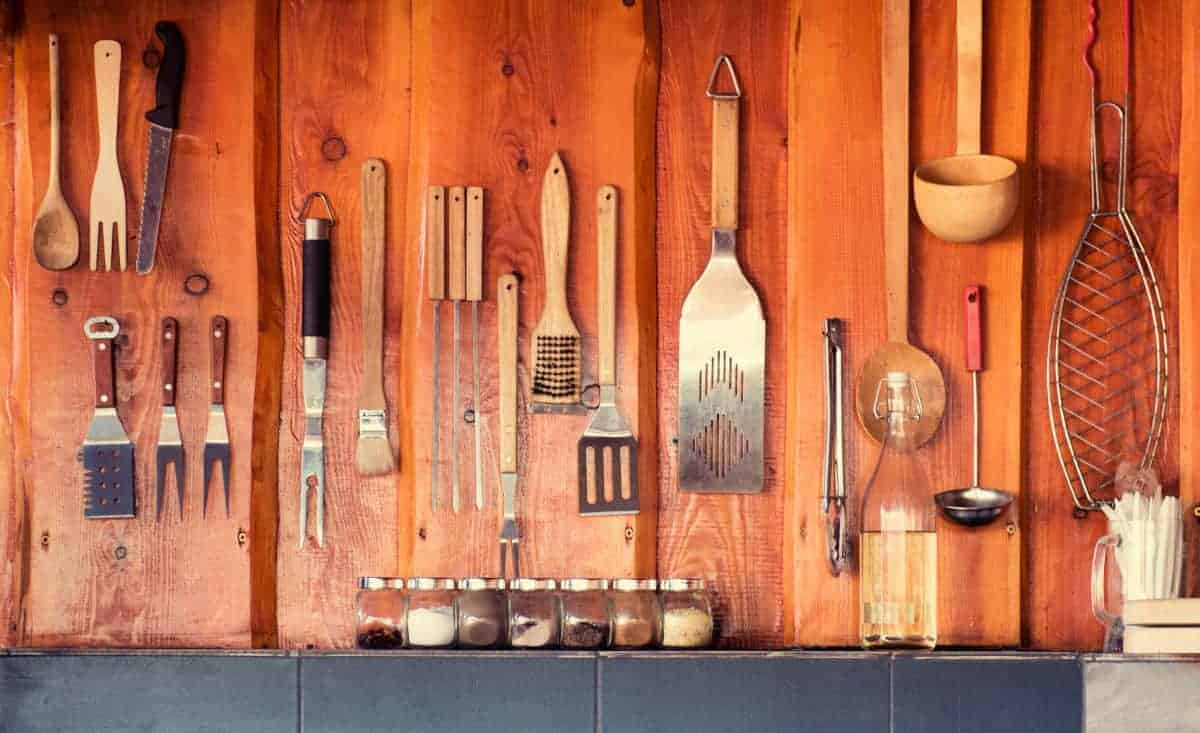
(533, 613)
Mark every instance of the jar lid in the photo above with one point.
(379, 582)
(481, 584)
(576, 584)
(431, 584)
(635, 584)
(528, 584)
(677, 584)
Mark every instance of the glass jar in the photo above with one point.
(532, 613)
(687, 616)
(636, 615)
(586, 622)
(482, 615)
(898, 544)
(431, 619)
(379, 610)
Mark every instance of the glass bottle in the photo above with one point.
(898, 544)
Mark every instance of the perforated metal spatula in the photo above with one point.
(722, 337)
(107, 453)
(608, 441)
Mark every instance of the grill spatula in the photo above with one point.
(722, 337)
(107, 454)
(608, 439)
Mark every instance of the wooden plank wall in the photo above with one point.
(286, 97)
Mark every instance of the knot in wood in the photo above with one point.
(151, 58)
(59, 297)
(333, 149)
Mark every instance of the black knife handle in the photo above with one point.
(170, 76)
(315, 318)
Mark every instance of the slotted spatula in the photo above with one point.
(608, 439)
(722, 337)
(107, 454)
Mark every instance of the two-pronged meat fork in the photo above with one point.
(506, 299)
(170, 443)
(216, 444)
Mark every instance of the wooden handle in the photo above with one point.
(970, 75)
(606, 281)
(556, 215)
(105, 367)
(55, 119)
(973, 301)
(456, 228)
(474, 243)
(506, 299)
(170, 353)
(725, 164)
(108, 87)
(374, 221)
(435, 242)
(895, 165)
(219, 333)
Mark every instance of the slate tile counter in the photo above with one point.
(566, 692)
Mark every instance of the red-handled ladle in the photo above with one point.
(975, 505)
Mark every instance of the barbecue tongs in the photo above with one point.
(833, 470)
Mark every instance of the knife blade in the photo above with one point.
(164, 118)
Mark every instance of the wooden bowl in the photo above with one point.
(967, 198)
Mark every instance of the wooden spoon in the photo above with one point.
(55, 231)
(898, 355)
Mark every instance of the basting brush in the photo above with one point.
(374, 452)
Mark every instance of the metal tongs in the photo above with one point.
(833, 469)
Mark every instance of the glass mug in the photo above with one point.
(1130, 588)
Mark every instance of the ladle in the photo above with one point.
(974, 505)
(55, 231)
(967, 197)
(898, 355)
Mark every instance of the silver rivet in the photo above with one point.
(217, 385)
(169, 387)
(104, 398)
(102, 346)
(168, 335)
(217, 333)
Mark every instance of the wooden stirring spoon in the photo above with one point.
(55, 231)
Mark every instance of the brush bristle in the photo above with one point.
(374, 455)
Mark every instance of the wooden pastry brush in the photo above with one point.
(374, 452)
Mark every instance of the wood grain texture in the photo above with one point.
(1057, 608)
(344, 74)
(735, 542)
(136, 582)
(497, 92)
(1189, 280)
(836, 270)
(14, 519)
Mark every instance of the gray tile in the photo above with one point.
(1143, 696)
(744, 692)
(177, 693)
(981, 695)
(448, 692)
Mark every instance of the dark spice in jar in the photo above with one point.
(583, 634)
(380, 637)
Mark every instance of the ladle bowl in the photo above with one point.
(967, 198)
(974, 506)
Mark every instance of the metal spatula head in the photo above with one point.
(608, 462)
(107, 458)
(722, 352)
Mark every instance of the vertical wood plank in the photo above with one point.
(735, 542)
(344, 97)
(14, 543)
(1189, 279)
(498, 92)
(138, 582)
(836, 270)
(1057, 607)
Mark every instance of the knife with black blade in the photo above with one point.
(163, 120)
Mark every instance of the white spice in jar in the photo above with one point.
(431, 626)
(686, 628)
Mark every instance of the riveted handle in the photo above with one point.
(105, 366)
(170, 352)
(220, 337)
